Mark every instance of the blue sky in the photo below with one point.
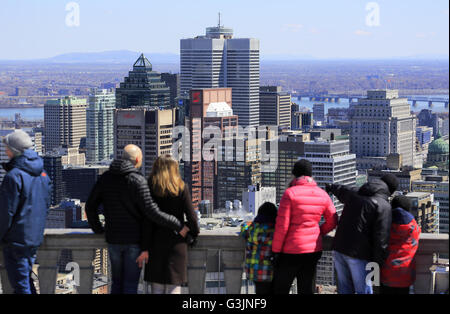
(321, 28)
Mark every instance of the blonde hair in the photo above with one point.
(165, 178)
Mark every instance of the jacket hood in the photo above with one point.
(29, 162)
(122, 167)
(303, 180)
(376, 187)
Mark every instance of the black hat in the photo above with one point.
(302, 168)
(402, 202)
(391, 181)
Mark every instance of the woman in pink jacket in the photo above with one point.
(297, 242)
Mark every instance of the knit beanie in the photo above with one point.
(302, 168)
(402, 202)
(391, 181)
(17, 142)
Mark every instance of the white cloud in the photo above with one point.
(292, 27)
(360, 32)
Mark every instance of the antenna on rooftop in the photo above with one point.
(219, 20)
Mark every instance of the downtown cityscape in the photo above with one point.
(237, 115)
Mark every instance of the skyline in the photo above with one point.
(287, 29)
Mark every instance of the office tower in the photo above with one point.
(219, 60)
(79, 181)
(319, 112)
(302, 120)
(425, 211)
(173, 82)
(382, 124)
(209, 108)
(274, 106)
(100, 125)
(148, 128)
(142, 87)
(290, 147)
(238, 169)
(437, 185)
(325, 134)
(255, 196)
(65, 122)
(437, 121)
(332, 163)
(424, 134)
(53, 166)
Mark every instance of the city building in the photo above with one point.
(438, 121)
(173, 82)
(336, 115)
(53, 166)
(437, 185)
(240, 168)
(210, 107)
(404, 176)
(290, 147)
(425, 211)
(319, 112)
(424, 134)
(64, 215)
(324, 133)
(382, 124)
(79, 181)
(142, 87)
(255, 196)
(274, 107)
(149, 128)
(70, 156)
(302, 120)
(219, 60)
(438, 153)
(65, 122)
(100, 125)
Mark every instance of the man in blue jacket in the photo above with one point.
(25, 195)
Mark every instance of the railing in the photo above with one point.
(214, 252)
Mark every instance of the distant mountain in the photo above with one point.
(119, 56)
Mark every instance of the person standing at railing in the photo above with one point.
(259, 235)
(128, 207)
(362, 234)
(165, 250)
(399, 270)
(297, 242)
(25, 197)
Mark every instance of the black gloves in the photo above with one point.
(328, 188)
(275, 258)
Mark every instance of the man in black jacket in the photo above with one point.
(127, 203)
(362, 235)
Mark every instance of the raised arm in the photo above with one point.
(344, 193)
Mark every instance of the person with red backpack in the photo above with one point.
(399, 270)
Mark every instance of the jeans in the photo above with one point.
(300, 266)
(124, 269)
(19, 266)
(351, 275)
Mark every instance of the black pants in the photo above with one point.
(263, 287)
(300, 266)
(392, 290)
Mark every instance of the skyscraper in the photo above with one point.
(53, 167)
(142, 87)
(100, 125)
(274, 106)
(219, 60)
(382, 124)
(209, 108)
(173, 82)
(319, 112)
(65, 122)
(148, 128)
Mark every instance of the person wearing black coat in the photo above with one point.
(166, 251)
(363, 231)
(127, 205)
